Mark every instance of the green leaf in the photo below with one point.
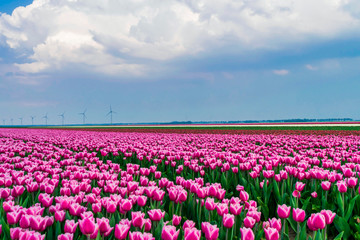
(277, 192)
(285, 236)
(224, 181)
(350, 208)
(158, 229)
(259, 234)
(98, 237)
(50, 234)
(318, 235)
(339, 236)
(293, 224)
(67, 216)
(112, 221)
(303, 232)
(57, 229)
(5, 229)
(268, 191)
(306, 203)
(340, 203)
(24, 204)
(342, 226)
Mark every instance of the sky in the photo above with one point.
(178, 60)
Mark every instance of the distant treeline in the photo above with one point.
(266, 121)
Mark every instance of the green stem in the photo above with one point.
(298, 231)
(343, 197)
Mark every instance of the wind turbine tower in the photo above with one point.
(21, 120)
(84, 115)
(111, 115)
(46, 118)
(62, 117)
(4, 121)
(12, 121)
(32, 119)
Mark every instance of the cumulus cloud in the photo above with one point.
(311, 67)
(281, 72)
(115, 37)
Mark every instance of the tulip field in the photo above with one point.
(72, 184)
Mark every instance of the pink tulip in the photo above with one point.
(296, 194)
(275, 223)
(326, 185)
(244, 196)
(314, 194)
(17, 191)
(70, 226)
(342, 187)
(176, 220)
(236, 209)
(329, 216)
(210, 204)
(247, 234)
(254, 214)
(25, 221)
(316, 221)
(103, 224)
(188, 224)
(15, 232)
(137, 219)
(299, 186)
(228, 220)
(87, 226)
(140, 236)
(271, 234)
(147, 225)
(13, 217)
(60, 215)
(30, 235)
(96, 207)
(352, 182)
(121, 231)
(126, 205)
(141, 201)
(283, 211)
(249, 222)
(111, 206)
(4, 193)
(66, 236)
(192, 234)
(222, 209)
(211, 231)
(298, 215)
(169, 233)
(156, 214)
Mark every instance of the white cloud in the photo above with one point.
(281, 72)
(311, 67)
(115, 37)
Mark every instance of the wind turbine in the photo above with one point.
(62, 117)
(32, 119)
(21, 120)
(3, 121)
(46, 118)
(84, 116)
(111, 114)
(12, 121)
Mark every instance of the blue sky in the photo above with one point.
(179, 60)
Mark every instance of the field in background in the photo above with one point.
(348, 128)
